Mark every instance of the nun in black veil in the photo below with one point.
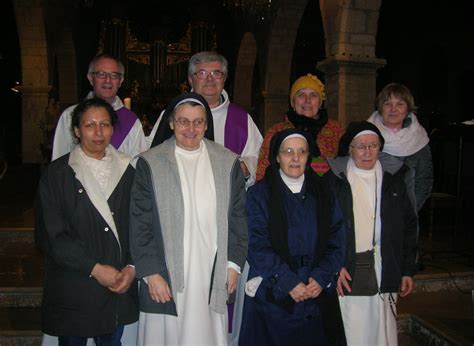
(296, 246)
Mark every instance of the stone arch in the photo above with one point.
(244, 71)
(278, 59)
(34, 87)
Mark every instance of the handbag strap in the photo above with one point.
(375, 211)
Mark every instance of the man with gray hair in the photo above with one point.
(105, 74)
(234, 128)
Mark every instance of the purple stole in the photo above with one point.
(235, 138)
(125, 121)
(236, 131)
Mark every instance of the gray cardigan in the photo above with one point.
(157, 222)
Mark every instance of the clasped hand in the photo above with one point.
(302, 292)
(115, 280)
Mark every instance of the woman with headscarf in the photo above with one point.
(405, 139)
(381, 240)
(82, 226)
(188, 230)
(306, 113)
(296, 245)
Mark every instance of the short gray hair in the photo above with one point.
(105, 56)
(204, 57)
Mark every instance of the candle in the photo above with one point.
(127, 102)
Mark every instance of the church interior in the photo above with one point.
(356, 47)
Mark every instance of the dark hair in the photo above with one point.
(84, 106)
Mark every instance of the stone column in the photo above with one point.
(34, 100)
(350, 86)
(35, 83)
(274, 108)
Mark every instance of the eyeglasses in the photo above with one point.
(104, 75)
(203, 74)
(290, 152)
(362, 147)
(197, 123)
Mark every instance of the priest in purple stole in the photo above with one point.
(106, 74)
(234, 128)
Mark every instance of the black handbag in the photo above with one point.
(364, 281)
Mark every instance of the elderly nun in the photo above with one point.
(381, 241)
(188, 229)
(296, 245)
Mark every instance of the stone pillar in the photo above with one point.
(274, 108)
(350, 86)
(35, 85)
(34, 100)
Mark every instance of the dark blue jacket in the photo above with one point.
(313, 321)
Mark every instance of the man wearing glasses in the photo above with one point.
(106, 74)
(233, 126)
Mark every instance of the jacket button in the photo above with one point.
(106, 229)
(112, 212)
(81, 191)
